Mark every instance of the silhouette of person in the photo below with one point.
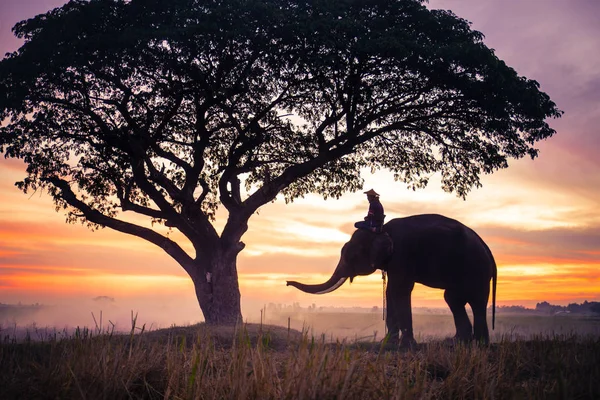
(373, 222)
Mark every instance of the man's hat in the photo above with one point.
(371, 193)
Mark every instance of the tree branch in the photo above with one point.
(169, 246)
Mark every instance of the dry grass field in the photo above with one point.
(258, 361)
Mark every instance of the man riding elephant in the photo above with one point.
(429, 249)
(373, 222)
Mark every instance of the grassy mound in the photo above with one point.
(268, 362)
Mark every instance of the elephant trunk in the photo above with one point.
(336, 280)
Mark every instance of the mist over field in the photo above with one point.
(154, 313)
(106, 314)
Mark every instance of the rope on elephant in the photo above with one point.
(384, 284)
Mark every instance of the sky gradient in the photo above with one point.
(540, 218)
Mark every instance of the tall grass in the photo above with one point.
(266, 362)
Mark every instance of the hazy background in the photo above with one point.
(539, 217)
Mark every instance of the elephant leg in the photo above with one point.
(399, 315)
(480, 327)
(457, 302)
(391, 321)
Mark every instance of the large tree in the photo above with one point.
(171, 109)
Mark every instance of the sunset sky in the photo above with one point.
(540, 218)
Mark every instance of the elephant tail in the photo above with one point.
(494, 279)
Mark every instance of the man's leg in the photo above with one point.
(362, 225)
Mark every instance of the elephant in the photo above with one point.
(430, 249)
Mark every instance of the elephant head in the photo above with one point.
(362, 255)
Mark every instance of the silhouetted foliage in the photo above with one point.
(104, 299)
(170, 109)
(575, 308)
(16, 311)
(514, 310)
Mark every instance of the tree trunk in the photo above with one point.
(217, 289)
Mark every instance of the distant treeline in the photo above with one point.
(11, 311)
(587, 307)
(20, 305)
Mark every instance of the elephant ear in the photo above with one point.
(381, 250)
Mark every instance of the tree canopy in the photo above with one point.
(170, 109)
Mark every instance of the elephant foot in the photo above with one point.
(391, 340)
(395, 343)
(468, 338)
(450, 341)
(454, 340)
(408, 343)
(482, 341)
